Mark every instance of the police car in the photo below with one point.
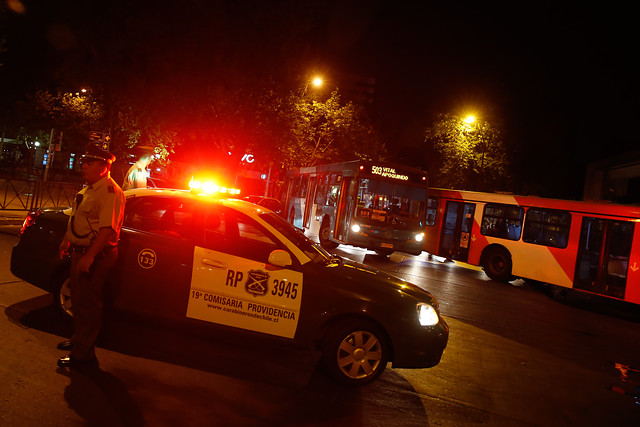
(228, 263)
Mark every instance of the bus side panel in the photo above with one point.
(539, 262)
(542, 263)
(548, 264)
(632, 293)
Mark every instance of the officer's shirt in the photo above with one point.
(96, 206)
(136, 177)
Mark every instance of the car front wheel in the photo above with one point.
(62, 296)
(355, 352)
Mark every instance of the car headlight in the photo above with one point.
(427, 315)
(419, 237)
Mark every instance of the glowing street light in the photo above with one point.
(316, 82)
(470, 119)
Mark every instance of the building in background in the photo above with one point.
(616, 179)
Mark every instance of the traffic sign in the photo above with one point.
(100, 136)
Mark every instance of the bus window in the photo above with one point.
(503, 221)
(547, 227)
(321, 192)
(333, 190)
(304, 185)
(432, 210)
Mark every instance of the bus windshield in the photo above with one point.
(399, 205)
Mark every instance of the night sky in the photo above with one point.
(560, 79)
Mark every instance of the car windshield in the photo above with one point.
(297, 237)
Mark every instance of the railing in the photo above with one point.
(25, 194)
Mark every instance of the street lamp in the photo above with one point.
(316, 82)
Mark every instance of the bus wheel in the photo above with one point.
(497, 264)
(325, 236)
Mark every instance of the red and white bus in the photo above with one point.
(588, 246)
(374, 205)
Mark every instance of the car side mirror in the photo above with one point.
(280, 258)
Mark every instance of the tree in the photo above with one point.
(471, 151)
(72, 113)
(328, 131)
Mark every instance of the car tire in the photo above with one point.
(62, 296)
(354, 352)
(325, 236)
(497, 264)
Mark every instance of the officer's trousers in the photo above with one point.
(87, 300)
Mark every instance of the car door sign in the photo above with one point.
(242, 293)
(147, 258)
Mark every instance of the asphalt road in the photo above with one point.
(515, 357)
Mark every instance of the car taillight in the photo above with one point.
(29, 220)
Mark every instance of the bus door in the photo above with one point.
(456, 230)
(603, 256)
(344, 210)
(311, 197)
(286, 197)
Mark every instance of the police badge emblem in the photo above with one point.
(258, 283)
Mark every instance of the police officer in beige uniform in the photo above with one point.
(91, 240)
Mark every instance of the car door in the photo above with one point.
(232, 282)
(156, 256)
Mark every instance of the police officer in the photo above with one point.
(137, 173)
(91, 240)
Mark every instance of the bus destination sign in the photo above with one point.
(388, 172)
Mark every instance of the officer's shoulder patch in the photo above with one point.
(110, 189)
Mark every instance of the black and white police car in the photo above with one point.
(228, 263)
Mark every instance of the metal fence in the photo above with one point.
(26, 194)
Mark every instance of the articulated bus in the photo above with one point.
(378, 206)
(588, 246)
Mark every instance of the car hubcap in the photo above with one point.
(359, 354)
(65, 297)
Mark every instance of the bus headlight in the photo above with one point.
(427, 315)
(419, 237)
(355, 228)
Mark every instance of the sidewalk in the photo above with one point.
(11, 221)
(12, 217)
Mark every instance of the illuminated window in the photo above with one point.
(547, 227)
(503, 221)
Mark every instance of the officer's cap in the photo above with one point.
(93, 152)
